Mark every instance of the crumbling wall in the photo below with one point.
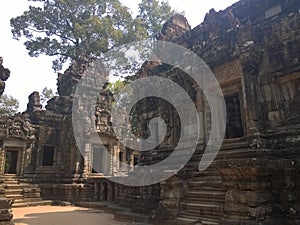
(253, 49)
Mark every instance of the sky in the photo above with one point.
(30, 74)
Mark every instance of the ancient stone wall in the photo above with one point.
(253, 49)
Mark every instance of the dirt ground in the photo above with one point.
(62, 215)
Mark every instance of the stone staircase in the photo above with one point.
(203, 199)
(23, 194)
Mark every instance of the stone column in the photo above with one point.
(200, 110)
(96, 191)
(110, 191)
(103, 191)
(87, 160)
(250, 60)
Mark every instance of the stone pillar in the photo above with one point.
(257, 190)
(110, 191)
(2, 158)
(96, 191)
(200, 110)
(103, 191)
(87, 160)
(250, 61)
(116, 194)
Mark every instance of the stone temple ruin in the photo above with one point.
(5, 204)
(253, 49)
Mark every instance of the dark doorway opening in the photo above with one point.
(97, 162)
(11, 161)
(136, 160)
(234, 124)
(48, 156)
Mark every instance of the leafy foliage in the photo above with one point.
(70, 29)
(154, 14)
(8, 105)
(115, 87)
(47, 93)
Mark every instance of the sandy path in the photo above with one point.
(58, 215)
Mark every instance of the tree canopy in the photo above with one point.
(8, 105)
(154, 14)
(70, 29)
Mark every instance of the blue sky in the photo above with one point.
(33, 74)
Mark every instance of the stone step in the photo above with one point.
(130, 217)
(114, 208)
(13, 191)
(193, 167)
(206, 184)
(11, 182)
(94, 205)
(203, 209)
(10, 177)
(209, 222)
(241, 144)
(209, 196)
(210, 171)
(205, 175)
(26, 200)
(27, 204)
(185, 221)
(13, 186)
(194, 163)
(203, 217)
(32, 199)
(14, 196)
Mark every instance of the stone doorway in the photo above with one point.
(97, 160)
(11, 162)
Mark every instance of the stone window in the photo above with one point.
(234, 123)
(48, 155)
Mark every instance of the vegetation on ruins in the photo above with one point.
(8, 105)
(116, 87)
(71, 29)
(47, 93)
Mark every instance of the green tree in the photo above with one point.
(8, 105)
(47, 93)
(71, 29)
(154, 14)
